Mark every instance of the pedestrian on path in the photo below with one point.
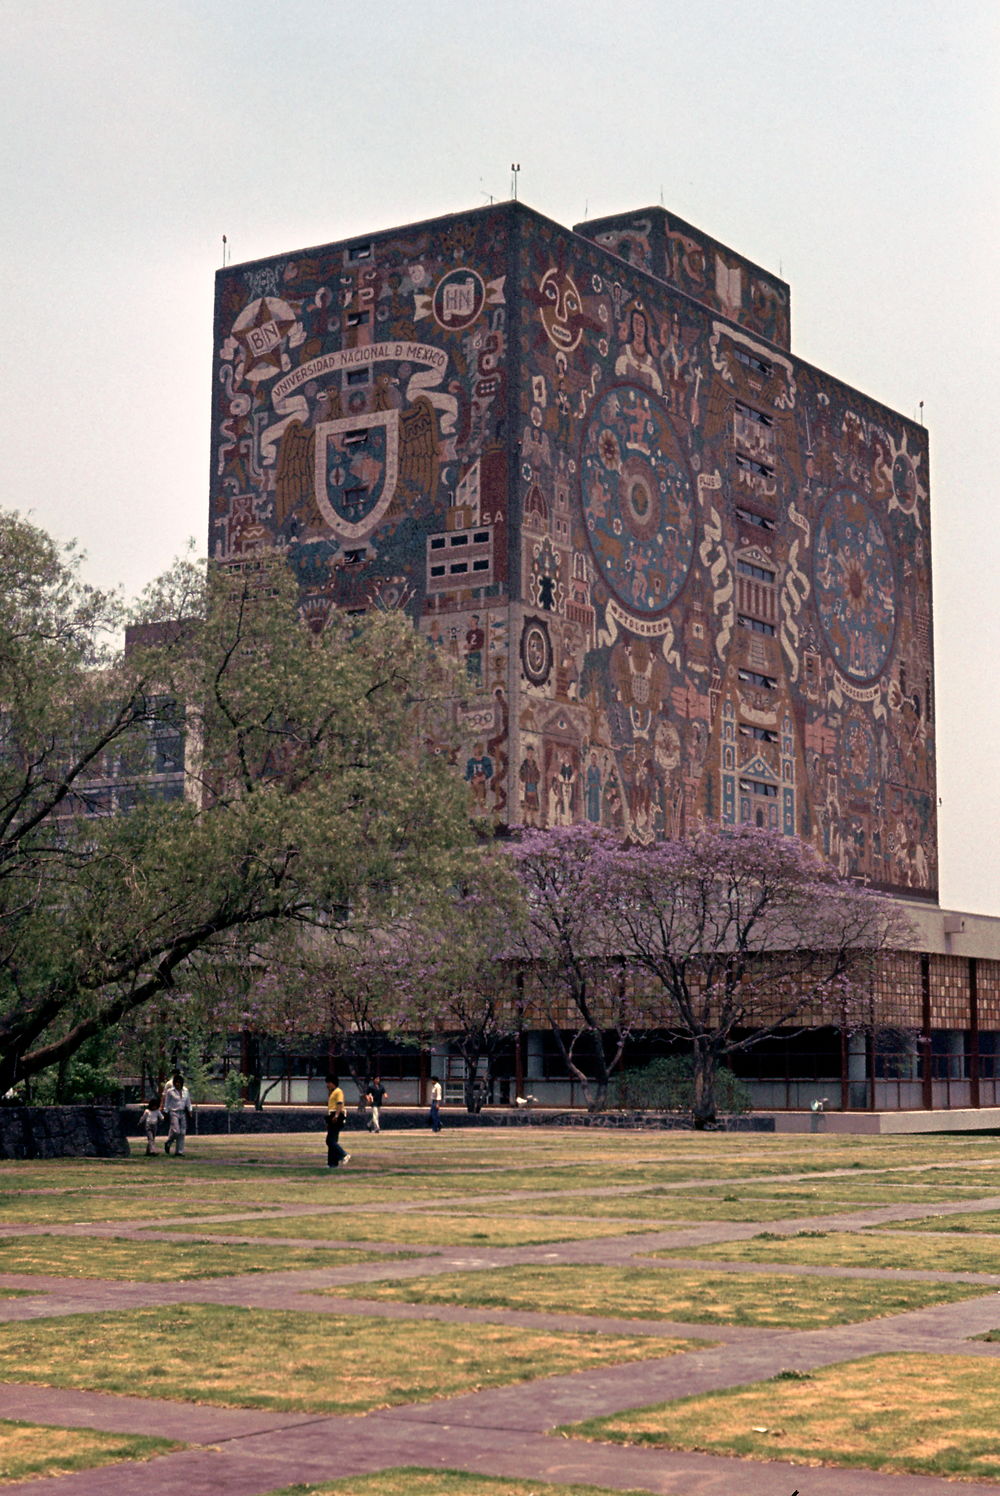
(435, 1112)
(336, 1116)
(377, 1095)
(176, 1106)
(150, 1121)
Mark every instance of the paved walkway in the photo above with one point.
(503, 1431)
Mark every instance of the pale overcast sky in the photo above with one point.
(850, 147)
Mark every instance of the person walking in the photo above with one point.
(150, 1121)
(336, 1117)
(436, 1096)
(176, 1107)
(377, 1094)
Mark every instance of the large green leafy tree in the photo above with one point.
(316, 785)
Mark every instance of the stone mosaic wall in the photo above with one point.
(687, 577)
(725, 567)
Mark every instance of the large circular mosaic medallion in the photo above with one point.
(536, 651)
(855, 586)
(637, 500)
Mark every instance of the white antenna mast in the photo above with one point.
(515, 167)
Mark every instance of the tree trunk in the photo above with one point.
(471, 1082)
(602, 1077)
(705, 1063)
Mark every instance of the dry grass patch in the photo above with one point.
(327, 1363)
(771, 1301)
(424, 1228)
(31, 1451)
(905, 1414)
(161, 1262)
(839, 1189)
(658, 1208)
(408, 1480)
(865, 1249)
(84, 1208)
(677, 1155)
(980, 1222)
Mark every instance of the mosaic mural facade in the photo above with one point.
(687, 576)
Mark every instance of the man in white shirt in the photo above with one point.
(176, 1106)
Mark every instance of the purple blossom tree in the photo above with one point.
(720, 940)
(734, 935)
(569, 950)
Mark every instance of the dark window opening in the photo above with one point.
(749, 414)
(752, 678)
(755, 625)
(751, 361)
(759, 787)
(749, 518)
(751, 465)
(759, 573)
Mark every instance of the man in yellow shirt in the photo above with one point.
(336, 1116)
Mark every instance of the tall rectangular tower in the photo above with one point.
(686, 575)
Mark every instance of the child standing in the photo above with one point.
(150, 1121)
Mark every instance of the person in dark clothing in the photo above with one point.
(377, 1094)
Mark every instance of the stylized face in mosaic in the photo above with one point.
(855, 586)
(636, 500)
(561, 309)
(904, 482)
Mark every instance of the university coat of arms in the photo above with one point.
(356, 468)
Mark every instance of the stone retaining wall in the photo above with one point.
(62, 1132)
(105, 1132)
(211, 1120)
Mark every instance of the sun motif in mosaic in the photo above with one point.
(855, 586)
(636, 499)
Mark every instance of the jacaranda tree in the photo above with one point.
(720, 940)
(567, 949)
